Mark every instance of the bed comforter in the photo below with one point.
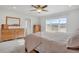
(48, 43)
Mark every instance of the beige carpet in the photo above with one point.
(13, 46)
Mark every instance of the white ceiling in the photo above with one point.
(25, 9)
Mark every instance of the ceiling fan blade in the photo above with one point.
(45, 10)
(34, 6)
(44, 6)
(38, 6)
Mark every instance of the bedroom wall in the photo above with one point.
(72, 16)
(73, 21)
(52, 16)
(4, 13)
(31, 20)
(24, 19)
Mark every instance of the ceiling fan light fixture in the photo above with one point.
(38, 10)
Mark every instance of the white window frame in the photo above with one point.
(59, 25)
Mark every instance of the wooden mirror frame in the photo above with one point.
(8, 17)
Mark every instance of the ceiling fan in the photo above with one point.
(39, 8)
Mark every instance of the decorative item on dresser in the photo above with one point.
(36, 28)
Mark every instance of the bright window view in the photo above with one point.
(56, 25)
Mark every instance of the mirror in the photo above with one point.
(12, 21)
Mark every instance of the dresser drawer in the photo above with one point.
(7, 37)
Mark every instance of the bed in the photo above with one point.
(46, 42)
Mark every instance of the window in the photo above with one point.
(56, 25)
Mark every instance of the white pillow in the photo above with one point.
(73, 41)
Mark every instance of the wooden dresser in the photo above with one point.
(36, 28)
(8, 34)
